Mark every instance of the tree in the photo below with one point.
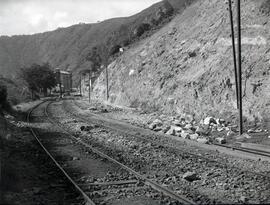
(3, 94)
(39, 77)
(95, 58)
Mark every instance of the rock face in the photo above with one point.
(187, 66)
(191, 176)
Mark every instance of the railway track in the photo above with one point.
(259, 153)
(197, 157)
(170, 195)
(35, 135)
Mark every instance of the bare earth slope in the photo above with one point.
(187, 66)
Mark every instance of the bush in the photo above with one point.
(142, 28)
(3, 94)
(115, 49)
(265, 7)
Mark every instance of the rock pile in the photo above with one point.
(187, 128)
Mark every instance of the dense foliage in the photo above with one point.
(39, 77)
(3, 94)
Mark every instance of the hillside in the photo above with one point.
(16, 92)
(187, 66)
(69, 48)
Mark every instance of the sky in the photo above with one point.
(34, 16)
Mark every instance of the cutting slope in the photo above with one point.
(187, 66)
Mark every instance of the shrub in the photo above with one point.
(141, 29)
(3, 94)
(265, 7)
(115, 49)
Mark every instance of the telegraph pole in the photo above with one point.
(60, 84)
(89, 88)
(80, 84)
(234, 52)
(107, 81)
(238, 6)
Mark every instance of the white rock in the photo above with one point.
(220, 129)
(188, 126)
(152, 126)
(157, 122)
(221, 140)
(203, 140)
(176, 128)
(230, 133)
(209, 120)
(131, 72)
(185, 135)
(194, 136)
(177, 122)
(170, 132)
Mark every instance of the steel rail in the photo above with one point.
(88, 200)
(247, 150)
(192, 154)
(147, 181)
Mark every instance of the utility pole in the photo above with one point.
(107, 81)
(80, 84)
(238, 6)
(234, 52)
(89, 88)
(60, 84)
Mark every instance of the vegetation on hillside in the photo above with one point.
(73, 47)
(39, 78)
(3, 94)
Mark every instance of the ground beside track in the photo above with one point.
(27, 175)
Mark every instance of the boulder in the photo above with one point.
(202, 130)
(185, 135)
(230, 133)
(191, 176)
(158, 122)
(247, 136)
(170, 132)
(220, 121)
(157, 129)
(152, 126)
(243, 199)
(86, 128)
(176, 128)
(189, 118)
(166, 129)
(177, 122)
(203, 140)
(221, 140)
(255, 130)
(188, 126)
(209, 120)
(194, 136)
(220, 129)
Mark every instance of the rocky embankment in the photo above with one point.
(205, 130)
(187, 66)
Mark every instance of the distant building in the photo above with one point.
(64, 80)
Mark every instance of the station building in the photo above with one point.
(64, 81)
